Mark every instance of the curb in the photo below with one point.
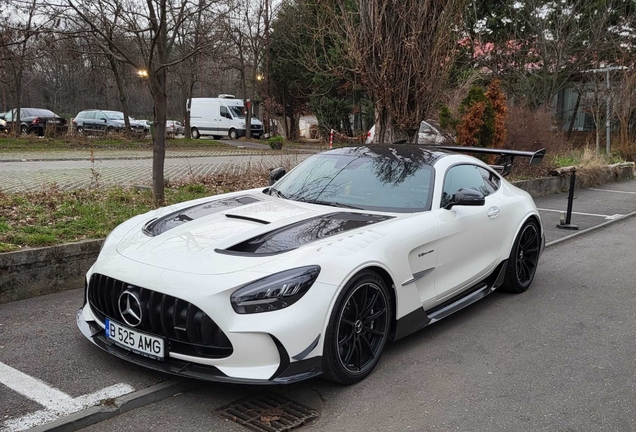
(120, 405)
(589, 230)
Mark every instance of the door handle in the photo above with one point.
(493, 212)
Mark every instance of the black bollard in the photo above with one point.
(568, 217)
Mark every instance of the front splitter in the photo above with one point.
(293, 372)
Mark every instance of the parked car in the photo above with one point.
(174, 127)
(317, 272)
(35, 120)
(95, 121)
(140, 126)
(222, 116)
(429, 133)
(3, 123)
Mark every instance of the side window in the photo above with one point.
(9, 115)
(225, 113)
(81, 115)
(90, 115)
(100, 116)
(425, 128)
(462, 177)
(490, 179)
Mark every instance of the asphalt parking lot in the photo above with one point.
(559, 357)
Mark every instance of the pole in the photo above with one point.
(608, 101)
(331, 139)
(268, 78)
(568, 218)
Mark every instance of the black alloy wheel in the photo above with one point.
(24, 129)
(524, 259)
(358, 329)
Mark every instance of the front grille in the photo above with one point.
(187, 329)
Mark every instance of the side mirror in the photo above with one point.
(467, 197)
(276, 174)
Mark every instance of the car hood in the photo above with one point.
(233, 232)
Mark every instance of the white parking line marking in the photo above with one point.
(34, 389)
(55, 402)
(615, 191)
(608, 217)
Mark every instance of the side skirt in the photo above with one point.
(419, 318)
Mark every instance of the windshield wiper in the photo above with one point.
(277, 192)
(330, 203)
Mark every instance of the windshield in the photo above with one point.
(114, 115)
(237, 111)
(364, 180)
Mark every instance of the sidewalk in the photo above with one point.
(591, 207)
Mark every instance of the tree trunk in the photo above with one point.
(17, 120)
(160, 99)
(385, 131)
(187, 132)
(186, 118)
(123, 100)
(573, 119)
(244, 83)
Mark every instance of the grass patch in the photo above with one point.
(53, 216)
(114, 141)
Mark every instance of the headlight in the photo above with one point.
(242, 124)
(274, 292)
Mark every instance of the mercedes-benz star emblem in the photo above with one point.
(130, 308)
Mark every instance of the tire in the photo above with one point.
(354, 342)
(110, 130)
(195, 133)
(80, 130)
(233, 134)
(524, 258)
(24, 129)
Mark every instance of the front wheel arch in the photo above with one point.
(331, 370)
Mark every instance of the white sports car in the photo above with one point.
(315, 274)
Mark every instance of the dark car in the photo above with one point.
(94, 120)
(35, 120)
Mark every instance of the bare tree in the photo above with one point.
(402, 50)
(146, 39)
(22, 29)
(624, 105)
(245, 30)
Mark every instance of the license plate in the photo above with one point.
(53, 121)
(135, 341)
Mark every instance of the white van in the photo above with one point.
(222, 116)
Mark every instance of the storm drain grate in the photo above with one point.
(269, 413)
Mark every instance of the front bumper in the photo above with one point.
(288, 372)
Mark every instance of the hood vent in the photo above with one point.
(178, 218)
(298, 234)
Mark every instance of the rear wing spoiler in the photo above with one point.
(508, 156)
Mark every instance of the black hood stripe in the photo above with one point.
(301, 233)
(178, 218)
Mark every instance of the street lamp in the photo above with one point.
(259, 77)
(142, 73)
